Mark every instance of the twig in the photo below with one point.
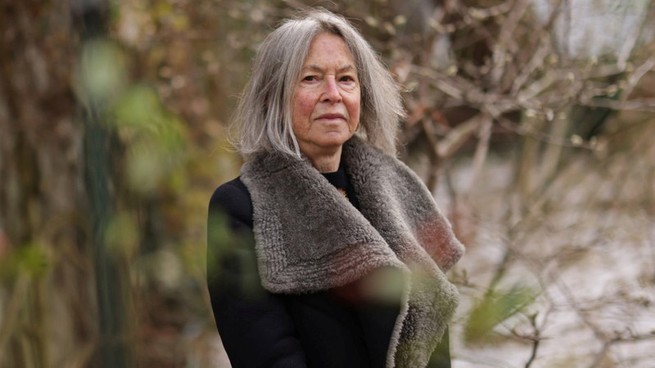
(505, 41)
(536, 340)
(490, 12)
(643, 104)
(636, 76)
(618, 339)
(457, 136)
(535, 63)
(481, 150)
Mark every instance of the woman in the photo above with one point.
(338, 251)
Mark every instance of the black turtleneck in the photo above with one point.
(339, 180)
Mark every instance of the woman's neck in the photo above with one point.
(325, 162)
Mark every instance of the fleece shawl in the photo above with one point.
(308, 238)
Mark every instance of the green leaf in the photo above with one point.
(496, 307)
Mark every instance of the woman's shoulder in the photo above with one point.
(233, 199)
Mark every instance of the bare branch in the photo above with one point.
(490, 12)
(636, 76)
(457, 136)
(536, 339)
(536, 62)
(506, 43)
(643, 104)
(482, 149)
(618, 339)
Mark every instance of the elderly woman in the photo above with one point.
(337, 251)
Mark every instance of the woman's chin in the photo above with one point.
(334, 142)
(326, 142)
(337, 138)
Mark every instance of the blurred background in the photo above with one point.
(531, 120)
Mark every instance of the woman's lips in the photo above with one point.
(334, 116)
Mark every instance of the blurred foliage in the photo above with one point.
(101, 72)
(168, 74)
(494, 308)
(31, 260)
(154, 138)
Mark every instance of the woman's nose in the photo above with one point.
(331, 92)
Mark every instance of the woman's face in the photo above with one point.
(326, 98)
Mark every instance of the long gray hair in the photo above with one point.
(263, 116)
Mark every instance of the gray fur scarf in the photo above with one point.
(309, 238)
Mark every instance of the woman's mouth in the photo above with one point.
(331, 116)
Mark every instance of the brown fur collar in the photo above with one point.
(310, 238)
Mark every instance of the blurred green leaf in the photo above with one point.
(31, 258)
(385, 285)
(122, 234)
(101, 71)
(154, 138)
(496, 307)
(162, 9)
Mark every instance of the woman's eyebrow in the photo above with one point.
(317, 68)
(347, 68)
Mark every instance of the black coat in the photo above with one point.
(332, 328)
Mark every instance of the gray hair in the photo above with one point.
(263, 117)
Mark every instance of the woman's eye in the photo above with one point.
(310, 78)
(347, 78)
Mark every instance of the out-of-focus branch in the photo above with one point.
(535, 338)
(506, 44)
(543, 137)
(632, 80)
(643, 104)
(541, 93)
(619, 338)
(484, 135)
(537, 62)
(457, 136)
(490, 12)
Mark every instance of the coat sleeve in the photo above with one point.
(254, 325)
